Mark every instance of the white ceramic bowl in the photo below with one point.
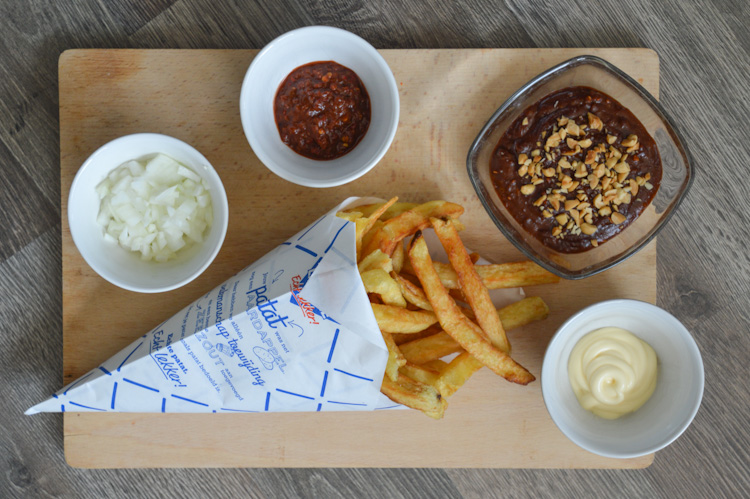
(663, 417)
(125, 268)
(269, 69)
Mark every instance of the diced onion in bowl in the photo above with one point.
(156, 207)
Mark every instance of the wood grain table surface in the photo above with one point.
(703, 263)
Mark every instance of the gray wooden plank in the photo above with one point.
(24, 211)
(703, 260)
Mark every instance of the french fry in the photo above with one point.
(378, 281)
(395, 358)
(464, 365)
(375, 260)
(412, 293)
(398, 258)
(399, 320)
(352, 216)
(401, 338)
(496, 275)
(414, 394)
(363, 228)
(411, 300)
(423, 374)
(437, 364)
(455, 323)
(515, 315)
(394, 210)
(515, 275)
(407, 223)
(456, 374)
(523, 312)
(367, 240)
(475, 292)
(423, 350)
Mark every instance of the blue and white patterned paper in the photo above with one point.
(292, 332)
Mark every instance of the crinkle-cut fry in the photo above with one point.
(407, 223)
(423, 374)
(375, 260)
(395, 358)
(399, 320)
(378, 281)
(432, 347)
(414, 394)
(496, 275)
(440, 344)
(455, 323)
(476, 293)
(411, 292)
(398, 257)
(457, 373)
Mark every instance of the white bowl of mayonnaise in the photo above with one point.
(622, 378)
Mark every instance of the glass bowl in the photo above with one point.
(677, 172)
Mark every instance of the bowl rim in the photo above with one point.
(558, 339)
(646, 95)
(391, 84)
(222, 201)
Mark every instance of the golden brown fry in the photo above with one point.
(495, 276)
(455, 375)
(458, 224)
(407, 223)
(395, 358)
(429, 348)
(523, 312)
(375, 260)
(477, 295)
(455, 323)
(363, 228)
(464, 365)
(352, 216)
(398, 257)
(399, 320)
(411, 292)
(514, 275)
(433, 347)
(367, 239)
(437, 364)
(414, 394)
(423, 374)
(394, 210)
(378, 281)
(401, 338)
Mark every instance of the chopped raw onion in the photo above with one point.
(156, 207)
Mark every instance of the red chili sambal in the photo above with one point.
(322, 110)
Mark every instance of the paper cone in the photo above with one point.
(292, 332)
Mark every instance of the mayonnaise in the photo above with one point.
(612, 372)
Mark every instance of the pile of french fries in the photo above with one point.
(428, 310)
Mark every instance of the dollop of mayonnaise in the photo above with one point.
(612, 372)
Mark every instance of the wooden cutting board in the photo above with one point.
(446, 97)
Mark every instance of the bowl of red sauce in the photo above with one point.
(319, 106)
(580, 168)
